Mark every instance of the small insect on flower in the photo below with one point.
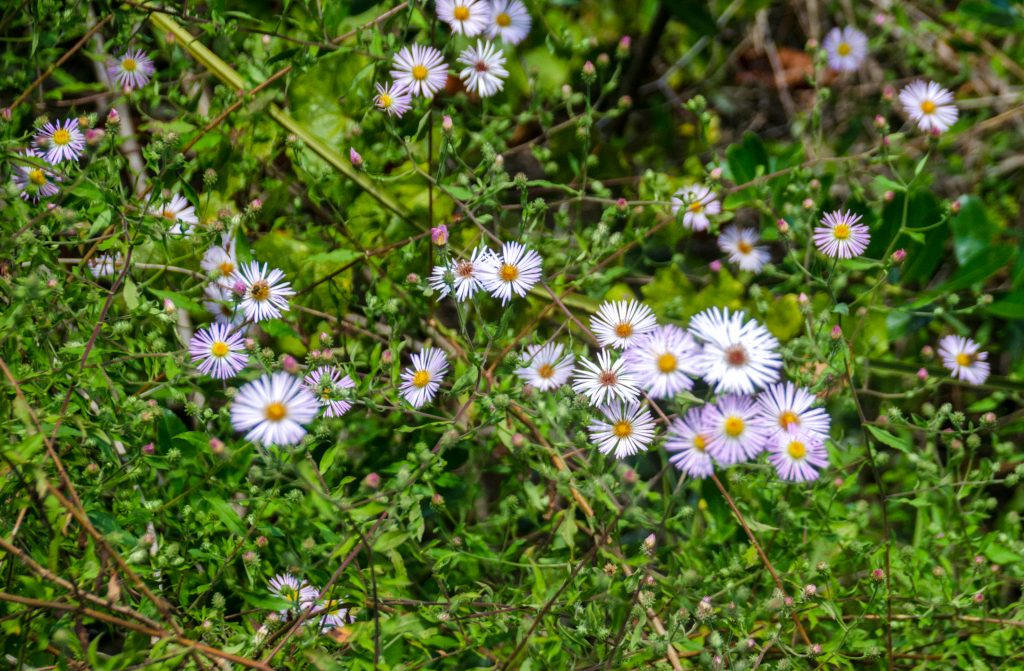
(32, 179)
(218, 351)
(469, 17)
(485, 71)
(512, 271)
(787, 408)
(698, 202)
(736, 429)
(741, 246)
(299, 594)
(930, 105)
(620, 323)
(664, 361)
(423, 378)
(625, 429)
(605, 381)
(132, 70)
(421, 70)
(841, 235)
(61, 141)
(464, 275)
(798, 457)
(274, 410)
(178, 212)
(548, 366)
(266, 294)
(738, 355)
(688, 440)
(510, 22)
(330, 614)
(327, 383)
(961, 356)
(845, 48)
(393, 99)
(220, 302)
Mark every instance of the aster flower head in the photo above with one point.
(326, 384)
(930, 105)
(548, 366)
(296, 592)
(60, 141)
(464, 275)
(605, 381)
(736, 430)
(846, 48)
(510, 21)
(798, 457)
(421, 70)
(513, 270)
(220, 302)
(330, 614)
(741, 246)
(274, 409)
(485, 71)
(688, 440)
(468, 17)
(961, 356)
(698, 203)
(393, 99)
(177, 212)
(266, 293)
(664, 361)
(132, 70)
(738, 355)
(624, 429)
(221, 261)
(422, 379)
(787, 408)
(841, 235)
(620, 324)
(33, 179)
(218, 351)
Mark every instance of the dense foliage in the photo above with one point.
(151, 151)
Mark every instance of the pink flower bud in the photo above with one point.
(387, 357)
(6, 113)
(886, 141)
(808, 203)
(837, 332)
(289, 364)
(250, 343)
(630, 476)
(899, 256)
(979, 597)
(439, 235)
(603, 59)
(888, 196)
(922, 374)
(622, 50)
(412, 278)
(589, 70)
(802, 299)
(355, 158)
(783, 226)
(625, 102)
(446, 124)
(255, 204)
(812, 44)
(622, 204)
(814, 184)
(989, 418)
(810, 590)
(888, 93)
(149, 448)
(261, 541)
(113, 118)
(879, 121)
(927, 352)
(716, 173)
(518, 439)
(169, 306)
(878, 574)
(94, 136)
(239, 287)
(880, 19)
(954, 207)
(715, 266)
(372, 481)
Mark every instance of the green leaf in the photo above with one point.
(226, 514)
(390, 540)
(981, 267)
(745, 158)
(130, 293)
(972, 230)
(882, 436)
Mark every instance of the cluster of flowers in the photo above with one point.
(301, 596)
(421, 70)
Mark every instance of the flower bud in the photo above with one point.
(94, 136)
(355, 158)
(922, 374)
(439, 235)
(149, 448)
(289, 364)
(878, 575)
(837, 332)
(954, 207)
(6, 113)
(808, 203)
(603, 60)
(810, 590)
(715, 266)
(216, 446)
(814, 184)
(622, 49)
(589, 71)
(716, 173)
(783, 226)
(927, 352)
(412, 278)
(880, 122)
(888, 93)
(446, 124)
(622, 204)
(113, 118)
(629, 477)
(372, 481)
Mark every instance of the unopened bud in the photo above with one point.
(439, 235)
(113, 118)
(216, 445)
(446, 124)
(880, 122)
(878, 574)
(922, 374)
(412, 278)
(808, 203)
(716, 173)
(355, 158)
(954, 207)
(899, 256)
(837, 332)
(622, 49)
(94, 136)
(589, 70)
(783, 226)
(149, 448)
(289, 364)
(888, 93)
(372, 481)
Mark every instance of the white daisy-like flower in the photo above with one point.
(393, 99)
(132, 70)
(220, 302)
(178, 212)
(846, 48)
(625, 429)
(620, 323)
(222, 261)
(961, 356)
(841, 235)
(274, 410)
(60, 141)
(741, 246)
(930, 105)
(462, 274)
(420, 70)
(266, 294)
(485, 71)
(326, 383)
(735, 428)
(605, 381)
(688, 440)
(514, 270)
(798, 457)
(296, 592)
(32, 179)
(548, 366)
(218, 351)
(787, 408)
(469, 17)
(330, 614)
(699, 202)
(510, 22)
(738, 355)
(423, 378)
(664, 360)
(105, 265)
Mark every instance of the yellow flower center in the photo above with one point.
(796, 449)
(509, 272)
(734, 426)
(169, 214)
(37, 177)
(385, 100)
(696, 206)
(461, 13)
(421, 379)
(667, 362)
(61, 137)
(622, 429)
(546, 371)
(788, 419)
(289, 593)
(624, 330)
(276, 411)
(219, 349)
(129, 65)
(419, 72)
(699, 443)
(260, 290)
(928, 107)
(841, 231)
(844, 49)
(503, 20)
(964, 359)
(744, 247)
(226, 267)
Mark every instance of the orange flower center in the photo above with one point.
(667, 362)
(624, 330)
(788, 419)
(796, 449)
(419, 72)
(219, 349)
(509, 272)
(276, 411)
(503, 20)
(226, 267)
(169, 214)
(928, 107)
(734, 426)
(260, 290)
(461, 13)
(622, 428)
(744, 247)
(696, 206)
(841, 231)
(546, 371)
(421, 379)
